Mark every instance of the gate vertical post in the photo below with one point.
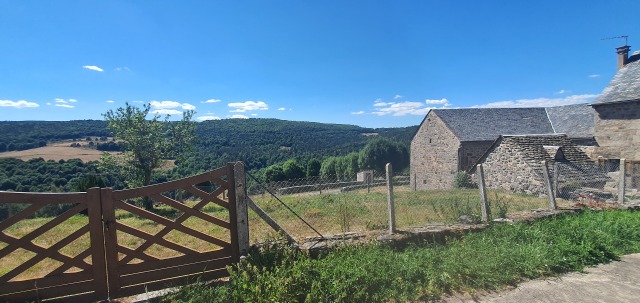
(96, 234)
(241, 207)
(392, 209)
(484, 202)
(110, 241)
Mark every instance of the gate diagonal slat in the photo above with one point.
(139, 255)
(169, 226)
(20, 216)
(188, 210)
(17, 243)
(129, 269)
(167, 186)
(160, 241)
(211, 197)
(81, 256)
(51, 252)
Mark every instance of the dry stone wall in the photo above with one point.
(617, 130)
(506, 168)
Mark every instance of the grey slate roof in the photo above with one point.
(575, 120)
(625, 85)
(487, 124)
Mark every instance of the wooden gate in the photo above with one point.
(177, 243)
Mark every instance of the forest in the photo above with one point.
(259, 143)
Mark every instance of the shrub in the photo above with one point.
(463, 180)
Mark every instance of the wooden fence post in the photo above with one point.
(552, 198)
(392, 211)
(96, 234)
(483, 194)
(622, 185)
(110, 241)
(556, 176)
(242, 213)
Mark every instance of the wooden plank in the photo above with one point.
(46, 282)
(163, 284)
(19, 216)
(265, 217)
(210, 197)
(41, 294)
(96, 236)
(188, 210)
(51, 252)
(110, 240)
(242, 212)
(175, 271)
(175, 261)
(166, 243)
(164, 221)
(134, 255)
(64, 267)
(17, 243)
(233, 212)
(167, 186)
(42, 199)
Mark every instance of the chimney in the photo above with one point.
(623, 55)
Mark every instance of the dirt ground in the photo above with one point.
(613, 282)
(55, 152)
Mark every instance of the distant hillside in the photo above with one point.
(257, 142)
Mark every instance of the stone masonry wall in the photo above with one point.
(434, 155)
(506, 168)
(617, 130)
(471, 152)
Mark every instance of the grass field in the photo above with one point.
(57, 151)
(328, 213)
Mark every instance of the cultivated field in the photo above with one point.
(57, 151)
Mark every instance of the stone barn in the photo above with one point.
(452, 140)
(515, 163)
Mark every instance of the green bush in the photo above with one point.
(463, 180)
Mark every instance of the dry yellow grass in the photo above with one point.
(60, 150)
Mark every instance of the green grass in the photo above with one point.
(501, 255)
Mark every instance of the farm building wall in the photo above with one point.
(507, 168)
(617, 130)
(434, 155)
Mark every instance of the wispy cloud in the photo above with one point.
(207, 118)
(561, 92)
(18, 104)
(282, 108)
(60, 102)
(93, 67)
(123, 69)
(238, 117)
(212, 101)
(407, 107)
(166, 112)
(541, 102)
(64, 105)
(398, 97)
(110, 101)
(241, 107)
(594, 76)
(138, 101)
(358, 113)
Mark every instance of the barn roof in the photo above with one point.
(625, 85)
(577, 120)
(486, 124)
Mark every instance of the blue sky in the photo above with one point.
(368, 63)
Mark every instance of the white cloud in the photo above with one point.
(253, 115)
(138, 101)
(18, 104)
(541, 102)
(206, 118)
(241, 107)
(379, 103)
(65, 105)
(212, 101)
(402, 109)
(397, 97)
(169, 107)
(166, 112)
(560, 92)
(48, 103)
(73, 100)
(110, 101)
(239, 117)
(58, 100)
(358, 113)
(594, 76)
(282, 108)
(124, 68)
(93, 67)
(442, 101)
(63, 101)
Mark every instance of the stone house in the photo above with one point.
(515, 163)
(452, 140)
(617, 108)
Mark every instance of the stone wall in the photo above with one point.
(471, 152)
(434, 155)
(617, 130)
(506, 168)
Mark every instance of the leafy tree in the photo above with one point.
(274, 173)
(293, 170)
(328, 169)
(146, 143)
(377, 153)
(313, 167)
